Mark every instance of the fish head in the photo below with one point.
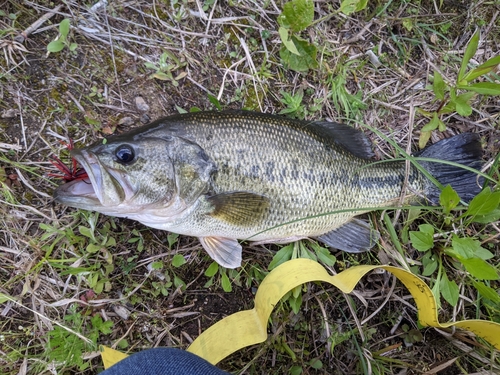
(139, 177)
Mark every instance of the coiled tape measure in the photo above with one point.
(249, 327)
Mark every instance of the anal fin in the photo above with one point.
(225, 251)
(356, 236)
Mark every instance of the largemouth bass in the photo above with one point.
(237, 175)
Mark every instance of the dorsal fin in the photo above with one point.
(352, 140)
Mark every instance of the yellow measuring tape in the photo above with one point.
(249, 327)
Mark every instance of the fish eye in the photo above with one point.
(125, 154)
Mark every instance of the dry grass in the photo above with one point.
(45, 99)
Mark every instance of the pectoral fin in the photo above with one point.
(239, 208)
(225, 251)
(356, 236)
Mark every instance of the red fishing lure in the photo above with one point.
(68, 173)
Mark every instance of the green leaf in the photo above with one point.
(123, 344)
(178, 282)
(482, 69)
(316, 364)
(73, 47)
(426, 228)
(180, 110)
(441, 126)
(423, 240)
(424, 138)
(485, 88)
(86, 232)
(408, 24)
(466, 96)
(482, 253)
(486, 291)
(462, 106)
(438, 85)
(297, 15)
(162, 76)
(487, 218)
(5, 297)
(449, 289)
(101, 325)
(178, 260)
(324, 255)
(480, 269)
(295, 302)
(290, 45)
(350, 6)
(306, 253)
(430, 264)
(470, 51)
(172, 239)
(468, 248)
(433, 124)
(110, 242)
(93, 248)
(483, 203)
(226, 283)
(305, 61)
(55, 46)
(437, 293)
(448, 108)
(215, 102)
(64, 27)
(281, 256)
(463, 248)
(212, 269)
(157, 265)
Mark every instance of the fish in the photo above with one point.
(230, 176)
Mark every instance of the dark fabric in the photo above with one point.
(163, 361)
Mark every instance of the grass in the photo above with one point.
(80, 279)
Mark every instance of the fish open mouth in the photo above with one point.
(85, 190)
(100, 186)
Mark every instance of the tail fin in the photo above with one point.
(464, 149)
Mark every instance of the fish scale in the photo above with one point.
(236, 175)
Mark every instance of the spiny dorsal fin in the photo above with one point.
(239, 208)
(355, 236)
(225, 251)
(353, 140)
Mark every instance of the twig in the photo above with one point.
(252, 69)
(77, 103)
(392, 106)
(100, 4)
(112, 53)
(34, 141)
(359, 36)
(23, 35)
(114, 107)
(23, 128)
(24, 180)
(221, 90)
(325, 322)
(4, 147)
(381, 306)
